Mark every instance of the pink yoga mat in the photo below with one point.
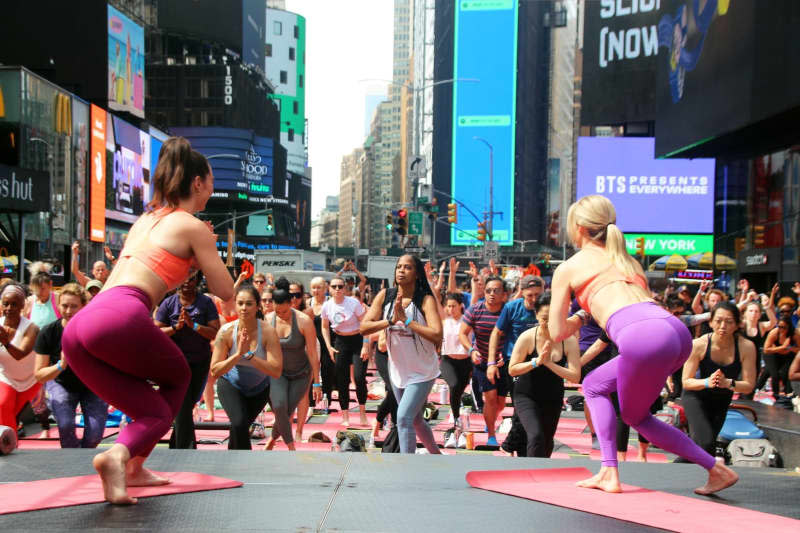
(67, 491)
(641, 506)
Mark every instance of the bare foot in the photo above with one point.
(720, 477)
(298, 436)
(345, 420)
(45, 434)
(270, 444)
(138, 476)
(111, 467)
(606, 480)
(291, 447)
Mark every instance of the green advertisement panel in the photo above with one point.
(658, 244)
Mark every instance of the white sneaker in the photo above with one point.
(462, 441)
(452, 441)
(421, 451)
(371, 443)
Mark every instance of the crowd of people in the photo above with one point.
(155, 319)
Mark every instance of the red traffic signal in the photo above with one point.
(402, 213)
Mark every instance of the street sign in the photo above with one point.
(417, 167)
(415, 223)
(413, 250)
(363, 251)
(490, 250)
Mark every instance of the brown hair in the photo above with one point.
(177, 167)
(73, 289)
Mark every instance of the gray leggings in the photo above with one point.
(284, 395)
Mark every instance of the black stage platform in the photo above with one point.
(306, 491)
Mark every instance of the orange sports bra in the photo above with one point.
(586, 292)
(172, 270)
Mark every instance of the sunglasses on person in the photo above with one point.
(337, 287)
(259, 281)
(493, 290)
(296, 294)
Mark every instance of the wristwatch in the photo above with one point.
(249, 355)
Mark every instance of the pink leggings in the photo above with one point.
(652, 345)
(12, 402)
(114, 347)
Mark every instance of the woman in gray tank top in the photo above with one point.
(298, 339)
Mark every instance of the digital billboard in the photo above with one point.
(157, 138)
(97, 189)
(253, 20)
(484, 112)
(620, 46)
(650, 195)
(241, 160)
(128, 187)
(125, 64)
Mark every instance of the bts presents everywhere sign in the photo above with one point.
(24, 190)
(650, 195)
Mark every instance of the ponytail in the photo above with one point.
(177, 167)
(618, 251)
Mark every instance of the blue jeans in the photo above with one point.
(410, 423)
(95, 411)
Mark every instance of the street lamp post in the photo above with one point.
(491, 183)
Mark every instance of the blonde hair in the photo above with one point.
(73, 289)
(597, 214)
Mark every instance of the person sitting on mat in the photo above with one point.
(611, 286)
(410, 317)
(247, 352)
(342, 315)
(18, 385)
(541, 366)
(298, 340)
(64, 389)
(712, 374)
(114, 347)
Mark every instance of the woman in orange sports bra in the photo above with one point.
(114, 346)
(610, 285)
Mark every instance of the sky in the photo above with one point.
(346, 41)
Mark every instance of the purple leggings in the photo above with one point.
(652, 345)
(114, 347)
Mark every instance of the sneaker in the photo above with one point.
(421, 451)
(371, 443)
(492, 441)
(452, 441)
(595, 442)
(462, 441)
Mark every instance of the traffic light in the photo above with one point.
(739, 244)
(402, 221)
(758, 236)
(389, 221)
(481, 231)
(452, 213)
(640, 246)
(270, 221)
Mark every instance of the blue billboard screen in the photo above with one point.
(484, 111)
(241, 161)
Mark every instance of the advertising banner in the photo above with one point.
(241, 161)
(665, 244)
(253, 20)
(484, 112)
(650, 195)
(125, 64)
(24, 190)
(620, 45)
(97, 190)
(128, 188)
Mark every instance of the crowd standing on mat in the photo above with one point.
(265, 345)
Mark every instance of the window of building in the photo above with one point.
(268, 49)
(295, 107)
(277, 28)
(284, 76)
(296, 32)
(291, 54)
(290, 134)
(300, 81)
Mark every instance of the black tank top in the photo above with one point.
(541, 383)
(757, 339)
(707, 367)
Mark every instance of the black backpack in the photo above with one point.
(574, 403)
(391, 444)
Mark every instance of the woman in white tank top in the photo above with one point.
(414, 332)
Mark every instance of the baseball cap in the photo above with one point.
(529, 281)
(683, 288)
(94, 284)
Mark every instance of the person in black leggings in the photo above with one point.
(780, 348)
(455, 364)
(542, 366)
(755, 330)
(389, 404)
(342, 315)
(712, 374)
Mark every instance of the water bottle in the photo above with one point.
(325, 404)
(465, 412)
(443, 393)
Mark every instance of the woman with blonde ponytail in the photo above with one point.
(611, 287)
